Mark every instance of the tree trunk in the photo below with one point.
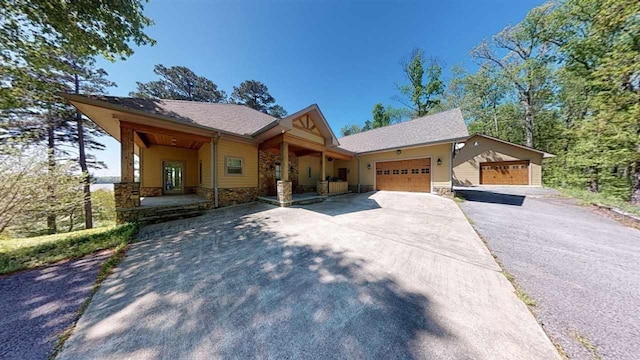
(528, 121)
(51, 217)
(82, 158)
(635, 184)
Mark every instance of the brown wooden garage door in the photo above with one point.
(504, 173)
(404, 175)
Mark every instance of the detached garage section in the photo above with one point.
(484, 160)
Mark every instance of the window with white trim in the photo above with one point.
(234, 166)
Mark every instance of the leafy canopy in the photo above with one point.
(179, 83)
(255, 95)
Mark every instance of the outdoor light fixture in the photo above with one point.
(369, 166)
(398, 152)
(439, 162)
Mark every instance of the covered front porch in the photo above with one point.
(291, 171)
(171, 170)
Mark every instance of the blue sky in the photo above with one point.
(342, 55)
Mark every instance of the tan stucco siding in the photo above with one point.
(153, 157)
(306, 135)
(466, 170)
(440, 174)
(204, 158)
(306, 162)
(247, 152)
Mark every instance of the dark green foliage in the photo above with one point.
(567, 79)
(180, 83)
(422, 97)
(255, 95)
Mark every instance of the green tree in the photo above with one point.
(521, 53)
(350, 129)
(380, 116)
(277, 111)
(255, 95)
(24, 172)
(91, 27)
(599, 49)
(422, 97)
(179, 83)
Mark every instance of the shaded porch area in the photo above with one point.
(290, 180)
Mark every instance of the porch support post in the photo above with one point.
(284, 152)
(323, 161)
(284, 189)
(323, 184)
(127, 191)
(126, 155)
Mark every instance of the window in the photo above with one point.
(200, 173)
(387, 172)
(378, 172)
(234, 166)
(415, 171)
(425, 170)
(404, 171)
(396, 172)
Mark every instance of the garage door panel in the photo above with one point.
(404, 175)
(504, 173)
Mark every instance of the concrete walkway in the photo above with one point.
(372, 276)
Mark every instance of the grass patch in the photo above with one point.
(20, 254)
(590, 198)
(105, 271)
(587, 344)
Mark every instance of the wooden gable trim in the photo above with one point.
(307, 124)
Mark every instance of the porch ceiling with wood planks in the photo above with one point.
(301, 147)
(145, 135)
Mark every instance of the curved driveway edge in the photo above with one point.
(377, 275)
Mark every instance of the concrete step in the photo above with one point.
(177, 214)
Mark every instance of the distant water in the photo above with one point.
(108, 187)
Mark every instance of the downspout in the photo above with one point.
(451, 156)
(358, 158)
(214, 170)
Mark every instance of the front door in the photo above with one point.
(173, 177)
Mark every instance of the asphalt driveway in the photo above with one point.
(581, 267)
(38, 305)
(376, 276)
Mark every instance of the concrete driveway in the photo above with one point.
(376, 276)
(581, 267)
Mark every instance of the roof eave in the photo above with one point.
(429, 143)
(108, 105)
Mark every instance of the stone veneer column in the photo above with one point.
(323, 188)
(127, 196)
(285, 195)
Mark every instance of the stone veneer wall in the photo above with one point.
(444, 192)
(267, 173)
(150, 191)
(284, 193)
(235, 196)
(127, 196)
(365, 188)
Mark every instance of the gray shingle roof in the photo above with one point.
(237, 119)
(442, 126)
